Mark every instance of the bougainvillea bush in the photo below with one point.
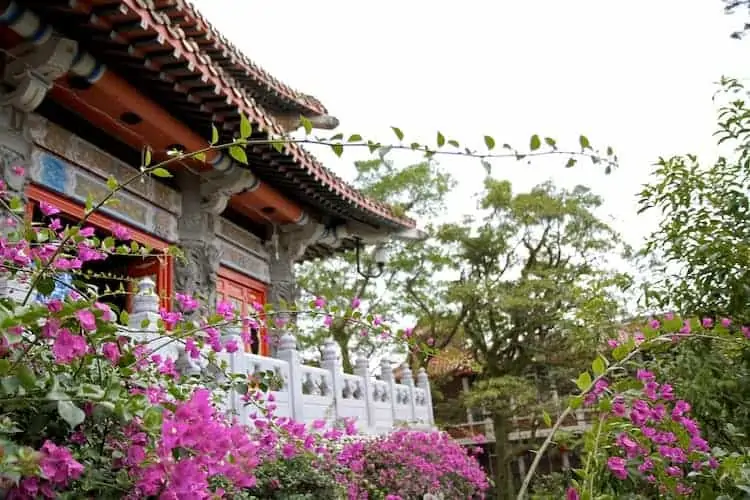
(412, 464)
(91, 410)
(646, 442)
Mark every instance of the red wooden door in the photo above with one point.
(243, 293)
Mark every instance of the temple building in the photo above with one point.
(90, 85)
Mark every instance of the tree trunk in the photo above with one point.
(339, 335)
(500, 427)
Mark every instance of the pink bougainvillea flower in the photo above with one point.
(18, 170)
(231, 346)
(320, 302)
(58, 465)
(617, 465)
(111, 351)
(121, 232)
(225, 309)
(328, 320)
(355, 303)
(170, 318)
(707, 322)
(186, 302)
(87, 319)
(48, 209)
(87, 232)
(572, 494)
(68, 347)
(55, 224)
(107, 312)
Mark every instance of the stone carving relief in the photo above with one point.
(285, 248)
(15, 153)
(196, 273)
(217, 190)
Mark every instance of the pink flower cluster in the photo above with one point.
(657, 437)
(58, 468)
(196, 443)
(409, 464)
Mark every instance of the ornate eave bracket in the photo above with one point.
(219, 187)
(33, 69)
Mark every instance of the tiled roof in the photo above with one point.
(451, 360)
(167, 50)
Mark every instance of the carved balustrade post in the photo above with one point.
(330, 361)
(288, 352)
(386, 374)
(362, 369)
(408, 380)
(423, 382)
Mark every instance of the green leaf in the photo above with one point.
(152, 417)
(238, 154)
(45, 286)
(440, 140)
(338, 148)
(584, 141)
(146, 156)
(27, 377)
(571, 162)
(306, 124)
(547, 419)
(112, 184)
(16, 204)
(124, 317)
(200, 156)
(69, 412)
(246, 129)
(620, 352)
(214, 134)
(550, 142)
(278, 146)
(489, 142)
(598, 366)
(535, 143)
(399, 134)
(91, 391)
(161, 172)
(584, 381)
(576, 402)
(354, 138)
(454, 143)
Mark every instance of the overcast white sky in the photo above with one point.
(637, 75)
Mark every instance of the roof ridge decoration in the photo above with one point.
(247, 105)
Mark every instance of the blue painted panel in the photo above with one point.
(53, 172)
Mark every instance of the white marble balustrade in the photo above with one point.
(307, 393)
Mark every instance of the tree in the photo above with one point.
(703, 238)
(411, 280)
(703, 244)
(537, 294)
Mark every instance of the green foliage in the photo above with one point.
(703, 238)
(409, 283)
(535, 295)
(298, 478)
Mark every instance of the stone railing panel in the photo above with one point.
(303, 393)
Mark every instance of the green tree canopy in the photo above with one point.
(538, 294)
(411, 280)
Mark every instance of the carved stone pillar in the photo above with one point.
(15, 158)
(15, 154)
(197, 273)
(287, 246)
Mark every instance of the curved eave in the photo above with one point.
(149, 48)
